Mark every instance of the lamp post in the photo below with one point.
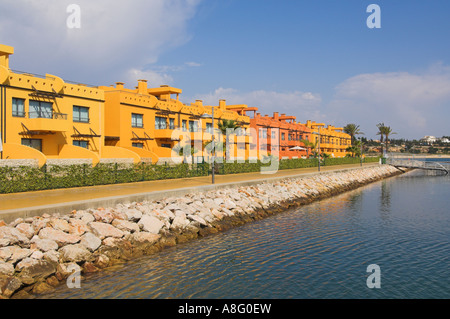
(361, 152)
(318, 145)
(213, 143)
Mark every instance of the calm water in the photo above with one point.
(318, 251)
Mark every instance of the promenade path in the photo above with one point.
(64, 200)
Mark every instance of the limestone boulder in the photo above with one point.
(11, 236)
(59, 236)
(26, 229)
(74, 253)
(44, 244)
(125, 225)
(150, 224)
(90, 241)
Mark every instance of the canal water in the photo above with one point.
(321, 250)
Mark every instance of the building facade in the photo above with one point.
(50, 120)
(45, 118)
(153, 123)
(333, 140)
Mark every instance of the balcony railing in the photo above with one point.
(47, 115)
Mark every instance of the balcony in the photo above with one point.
(47, 121)
(164, 133)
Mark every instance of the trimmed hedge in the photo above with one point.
(23, 179)
(247, 167)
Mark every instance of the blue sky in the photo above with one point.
(316, 60)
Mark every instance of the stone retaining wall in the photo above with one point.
(19, 162)
(38, 253)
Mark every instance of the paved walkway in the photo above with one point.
(23, 202)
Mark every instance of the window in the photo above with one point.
(40, 109)
(290, 137)
(273, 134)
(137, 120)
(138, 145)
(209, 128)
(18, 107)
(166, 145)
(264, 133)
(160, 123)
(193, 126)
(184, 125)
(80, 114)
(172, 124)
(283, 136)
(84, 144)
(34, 143)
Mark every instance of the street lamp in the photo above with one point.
(213, 142)
(318, 133)
(361, 152)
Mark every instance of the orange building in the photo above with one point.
(278, 135)
(333, 140)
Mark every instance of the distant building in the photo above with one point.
(444, 140)
(428, 139)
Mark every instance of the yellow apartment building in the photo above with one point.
(44, 118)
(333, 140)
(151, 122)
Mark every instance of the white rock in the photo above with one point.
(26, 229)
(125, 225)
(142, 237)
(52, 256)
(133, 215)
(11, 236)
(37, 254)
(91, 241)
(60, 224)
(44, 244)
(150, 224)
(59, 236)
(6, 269)
(74, 253)
(179, 222)
(103, 230)
(198, 219)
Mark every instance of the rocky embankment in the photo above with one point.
(40, 253)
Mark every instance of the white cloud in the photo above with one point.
(413, 104)
(303, 105)
(115, 36)
(193, 64)
(154, 79)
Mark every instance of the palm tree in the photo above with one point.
(309, 145)
(384, 131)
(352, 130)
(225, 125)
(381, 129)
(387, 131)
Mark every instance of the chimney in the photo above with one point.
(222, 104)
(199, 102)
(5, 52)
(142, 86)
(119, 85)
(275, 115)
